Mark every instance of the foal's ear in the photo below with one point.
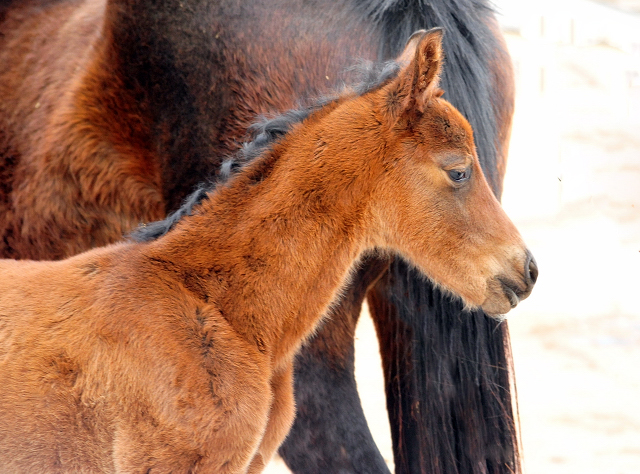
(418, 81)
(410, 48)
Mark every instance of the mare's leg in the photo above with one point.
(330, 433)
(281, 417)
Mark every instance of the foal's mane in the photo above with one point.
(264, 133)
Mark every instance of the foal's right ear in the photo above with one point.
(410, 48)
(418, 81)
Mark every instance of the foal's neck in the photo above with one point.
(278, 242)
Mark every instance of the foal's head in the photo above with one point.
(436, 207)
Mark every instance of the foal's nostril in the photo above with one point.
(531, 270)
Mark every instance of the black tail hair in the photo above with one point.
(456, 416)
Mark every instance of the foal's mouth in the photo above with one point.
(513, 293)
(510, 293)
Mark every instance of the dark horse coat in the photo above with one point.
(110, 113)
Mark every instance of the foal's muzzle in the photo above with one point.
(530, 272)
(517, 292)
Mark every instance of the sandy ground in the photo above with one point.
(573, 190)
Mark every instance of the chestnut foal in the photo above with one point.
(176, 355)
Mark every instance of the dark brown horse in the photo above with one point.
(111, 113)
(176, 354)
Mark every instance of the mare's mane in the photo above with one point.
(264, 133)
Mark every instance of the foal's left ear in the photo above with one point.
(418, 81)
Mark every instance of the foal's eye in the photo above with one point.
(460, 176)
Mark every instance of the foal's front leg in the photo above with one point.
(281, 417)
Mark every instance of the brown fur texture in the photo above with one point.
(83, 107)
(105, 180)
(176, 355)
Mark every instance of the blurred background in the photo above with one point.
(573, 189)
